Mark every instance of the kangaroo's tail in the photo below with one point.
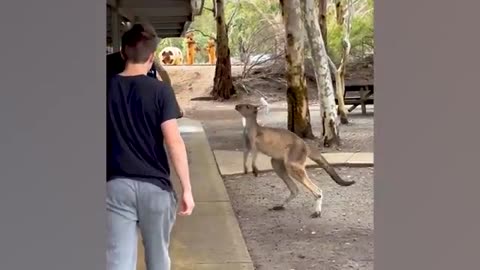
(317, 157)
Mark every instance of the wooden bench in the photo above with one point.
(358, 95)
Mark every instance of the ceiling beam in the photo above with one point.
(169, 33)
(167, 25)
(168, 19)
(156, 3)
(124, 12)
(159, 12)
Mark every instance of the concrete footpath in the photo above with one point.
(211, 238)
(231, 162)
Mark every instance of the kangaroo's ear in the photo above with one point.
(260, 107)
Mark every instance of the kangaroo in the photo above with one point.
(288, 154)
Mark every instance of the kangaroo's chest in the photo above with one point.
(269, 145)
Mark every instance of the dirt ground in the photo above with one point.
(343, 237)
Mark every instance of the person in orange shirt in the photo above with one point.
(211, 51)
(192, 48)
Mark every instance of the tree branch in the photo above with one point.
(248, 68)
(261, 12)
(331, 64)
(203, 34)
(233, 15)
(209, 9)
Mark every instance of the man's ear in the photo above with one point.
(121, 54)
(151, 58)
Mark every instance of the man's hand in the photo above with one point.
(187, 204)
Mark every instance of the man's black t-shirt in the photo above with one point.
(116, 65)
(136, 107)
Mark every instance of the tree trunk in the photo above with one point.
(326, 93)
(322, 6)
(339, 92)
(297, 95)
(339, 11)
(341, 70)
(222, 82)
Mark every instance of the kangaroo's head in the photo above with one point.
(247, 110)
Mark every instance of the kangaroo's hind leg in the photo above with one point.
(279, 168)
(295, 161)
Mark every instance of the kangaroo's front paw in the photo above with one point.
(255, 171)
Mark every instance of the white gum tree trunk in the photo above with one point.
(297, 94)
(340, 74)
(328, 110)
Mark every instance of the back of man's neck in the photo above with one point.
(134, 70)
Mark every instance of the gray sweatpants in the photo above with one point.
(130, 204)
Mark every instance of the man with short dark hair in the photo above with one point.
(141, 119)
(116, 61)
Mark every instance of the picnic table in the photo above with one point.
(359, 94)
(359, 84)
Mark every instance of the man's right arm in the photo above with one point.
(177, 152)
(178, 155)
(176, 147)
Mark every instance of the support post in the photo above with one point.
(116, 27)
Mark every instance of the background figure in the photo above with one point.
(192, 48)
(171, 56)
(211, 51)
